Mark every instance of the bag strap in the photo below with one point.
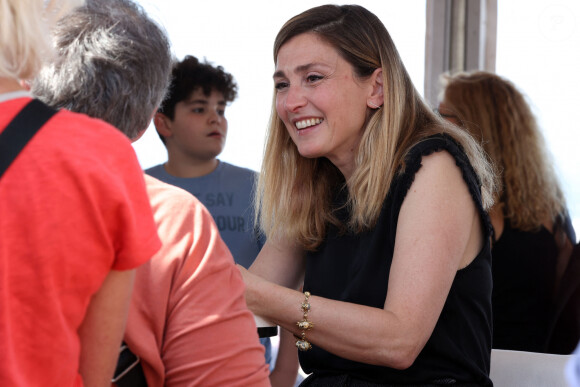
(129, 372)
(21, 129)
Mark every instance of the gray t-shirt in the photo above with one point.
(227, 193)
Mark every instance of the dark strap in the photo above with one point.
(129, 372)
(21, 129)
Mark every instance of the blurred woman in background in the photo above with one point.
(532, 236)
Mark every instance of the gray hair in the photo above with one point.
(114, 63)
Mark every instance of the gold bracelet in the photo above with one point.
(301, 343)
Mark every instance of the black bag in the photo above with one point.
(129, 372)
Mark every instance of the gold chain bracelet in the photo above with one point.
(301, 343)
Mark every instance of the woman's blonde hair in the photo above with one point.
(25, 38)
(493, 110)
(294, 194)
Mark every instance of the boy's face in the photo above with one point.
(199, 127)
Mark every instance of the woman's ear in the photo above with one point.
(162, 124)
(376, 99)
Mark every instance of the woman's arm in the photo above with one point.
(102, 329)
(280, 262)
(438, 232)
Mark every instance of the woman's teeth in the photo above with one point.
(309, 122)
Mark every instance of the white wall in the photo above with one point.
(539, 50)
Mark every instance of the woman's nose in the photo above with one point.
(294, 98)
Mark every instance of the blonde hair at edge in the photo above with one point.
(493, 110)
(294, 194)
(25, 34)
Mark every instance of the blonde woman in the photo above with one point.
(377, 207)
(530, 245)
(70, 233)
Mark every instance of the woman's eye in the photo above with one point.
(314, 78)
(221, 112)
(280, 85)
(197, 110)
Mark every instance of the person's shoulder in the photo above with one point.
(439, 162)
(435, 143)
(157, 171)
(176, 207)
(236, 169)
(68, 126)
(169, 195)
(437, 151)
(84, 126)
(89, 144)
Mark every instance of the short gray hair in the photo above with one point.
(114, 63)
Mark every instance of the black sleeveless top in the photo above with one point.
(524, 274)
(355, 268)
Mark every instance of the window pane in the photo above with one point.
(538, 48)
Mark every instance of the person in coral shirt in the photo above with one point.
(188, 320)
(75, 221)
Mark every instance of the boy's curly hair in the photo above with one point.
(191, 74)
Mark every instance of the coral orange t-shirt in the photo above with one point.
(73, 206)
(188, 320)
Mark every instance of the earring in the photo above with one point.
(374, 106)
